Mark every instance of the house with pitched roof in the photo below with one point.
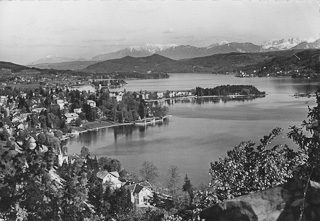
(141, 193)
(110, 177)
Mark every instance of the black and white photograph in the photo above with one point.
(160, 110)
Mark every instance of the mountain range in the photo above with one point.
(308, 61)
(177, 52)
(218, 63)
(54, 59)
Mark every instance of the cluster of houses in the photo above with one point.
(146, 95)
(141, 193)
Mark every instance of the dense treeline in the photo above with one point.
(228, 90)
(131, 107)
(38, 191)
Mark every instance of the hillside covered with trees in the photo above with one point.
(34, 187)
(218, 63)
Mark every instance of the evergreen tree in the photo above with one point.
(187, 187)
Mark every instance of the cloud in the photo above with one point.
(104, 40)
(129, 31)
(190, 38)
(169, 31)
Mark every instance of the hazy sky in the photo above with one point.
(30, 30)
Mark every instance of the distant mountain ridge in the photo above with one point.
(71, 65)
(12, 67)
(218, 63)
(262, 63)
(283, 44)
(308, 45)
(155, 63)
(177, 52)
(134, 51)
(52, 59)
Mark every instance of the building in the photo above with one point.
(3, 100)
(117, 95)
(61, 104)
(70, 117)
(38, 109)
(91, 103)
(141, 193)
(110, 177)
(160, 95)
(77, 110)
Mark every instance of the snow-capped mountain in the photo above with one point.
(308, 45)
(284, 44)
(217, 44)
(50, 59)
(234, 47)
(180, 52)
(134, 51)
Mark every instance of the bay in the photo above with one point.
(198, 134)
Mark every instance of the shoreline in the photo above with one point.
(93, 126)
(96, 125)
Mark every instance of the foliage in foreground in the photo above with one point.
(248, 168)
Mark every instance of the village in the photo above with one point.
(41, 119)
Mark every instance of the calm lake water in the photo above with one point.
(198, 134)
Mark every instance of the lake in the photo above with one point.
(199, 133)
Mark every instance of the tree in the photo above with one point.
(109, 164)
(148, 171)
(142, 110)
(120, 202)
(173, 179)
(35, 187)
(187, 187)
(309, 144)
(84, 152)
(250, 168)
(74, 201)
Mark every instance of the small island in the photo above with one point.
(230, 90)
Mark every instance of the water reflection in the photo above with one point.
(127, 131)
(122, 130)
(206, 100)
(283, 85)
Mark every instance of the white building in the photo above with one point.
(91, 103)
(61, 104)
(110, 177)
(141, 193)
(77, 110)
(71, 116)
(160, 95)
